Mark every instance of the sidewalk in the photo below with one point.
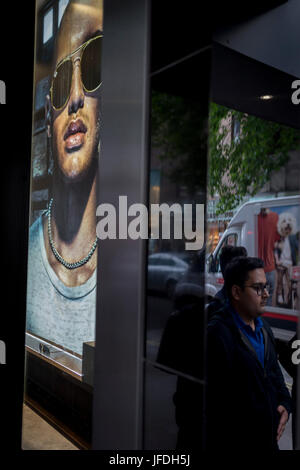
(37, 434)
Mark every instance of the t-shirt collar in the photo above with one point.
(240, 322)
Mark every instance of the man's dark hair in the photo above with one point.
(236, 272)
(229, 252)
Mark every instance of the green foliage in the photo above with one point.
(236, 168)
(179, 132)
(242, 167)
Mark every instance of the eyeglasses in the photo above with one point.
(259, 288)
(90, 65)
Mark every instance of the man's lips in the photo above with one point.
(75, 127)
(74, 136)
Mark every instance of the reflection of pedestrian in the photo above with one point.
(267, 236)
(285, 352)
(180, 351)
(228, 253)
(247, 400)
(62, 243)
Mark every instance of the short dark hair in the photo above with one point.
(236, 272)
(229, 252)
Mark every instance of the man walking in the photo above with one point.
(248, 404)
(228, 253)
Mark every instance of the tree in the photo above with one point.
(241, 167)
(237, 167)
(179, 132)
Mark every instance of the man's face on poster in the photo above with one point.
(75, 127)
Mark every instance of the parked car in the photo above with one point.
(165, 270)
(191, 286)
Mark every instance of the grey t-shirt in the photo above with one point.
(64, 315)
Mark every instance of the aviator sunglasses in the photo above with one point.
(90, 66)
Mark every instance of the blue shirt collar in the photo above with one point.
(240, 322)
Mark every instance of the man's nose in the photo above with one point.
(266, 292)
(76, 99)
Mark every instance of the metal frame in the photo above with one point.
(118, 393)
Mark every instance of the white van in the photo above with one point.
(245, 229)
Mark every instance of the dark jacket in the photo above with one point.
(242, 396)
(285, 352)
(181, 351)
(216, 303)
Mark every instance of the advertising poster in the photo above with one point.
(278, 246)
(62, 256)
(62, 241)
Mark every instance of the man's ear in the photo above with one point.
(235, 292)
(48, 116)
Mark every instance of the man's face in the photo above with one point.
(247, 299)
(75, 128)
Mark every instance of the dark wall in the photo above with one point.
(272, 37)
(15, 123)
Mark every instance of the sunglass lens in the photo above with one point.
(91, 65)
(61, 84)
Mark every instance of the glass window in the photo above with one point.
(175, 323)
(229, 240)
(166, 262)
(232, 239)
(152, 260)
(61, 8)
(48, 26)
(254, 169)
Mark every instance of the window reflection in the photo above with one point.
(175, 275)
(264, 220)
(48, 26)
